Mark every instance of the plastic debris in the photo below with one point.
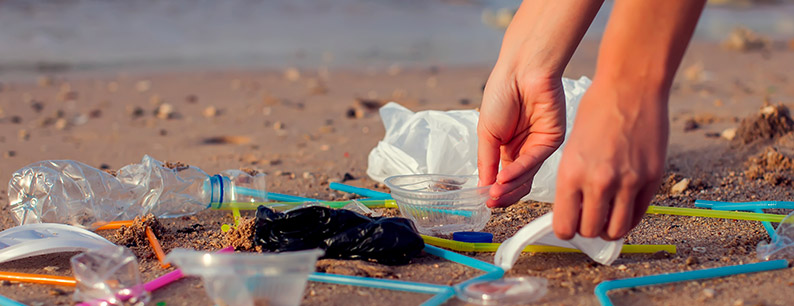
(362, 209)
(441, 204)
(505, 291)
(343, 234)
(446, 142)
(248, 279)
(540, 231)
(46, 238)
(473, 237)
(66, 191)
(111, 275)
(782, 244)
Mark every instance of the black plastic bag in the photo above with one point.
(343, 234)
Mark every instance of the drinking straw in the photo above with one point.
(158, 250)
(4, 301)
(115, 225)
(720, 205)
(377, 195)
(377, 283)
(288, 198)
(694, 212)
(159, 282)
(38, 278)
(492, 247)
(331, 204)
(492, 272)
(659, 279)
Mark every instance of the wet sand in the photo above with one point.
(305, 130)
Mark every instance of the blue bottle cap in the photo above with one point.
(472, 237)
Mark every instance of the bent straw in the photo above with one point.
(159, 282)
(4, 301)
(492, 272)
(114, 225)
(158, 250)
(659, 279)
(377, 195)
(38, 278)
(492, 247)
(694, 212)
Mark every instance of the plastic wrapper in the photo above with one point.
(343, 234)
(249, 279)
(540, 231)
(435, 142)
(782, 244)
(70, 192)
(46, 238)
(108, 276)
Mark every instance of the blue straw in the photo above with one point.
(4, 301)
(720, 205)
(492, 272)
(659, 279)
(378, 283)
(375, 195)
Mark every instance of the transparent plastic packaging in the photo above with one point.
(108, 276)
(446, 142)
(70, 192)
(441, 204)
(540, 231)
(504, 291)
(46, 238)
(248, 279)
(782, 244)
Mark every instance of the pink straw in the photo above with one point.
(161, 281)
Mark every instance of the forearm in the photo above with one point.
(544, 34)
(645, 41)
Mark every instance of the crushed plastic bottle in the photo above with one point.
(108, 276)
(71, 192)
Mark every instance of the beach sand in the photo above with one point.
(307, 129)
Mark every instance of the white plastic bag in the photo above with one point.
(539, 231)
(436, 142)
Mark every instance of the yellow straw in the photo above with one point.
(491, 247)
(708, 213)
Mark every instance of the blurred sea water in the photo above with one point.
(54, 35)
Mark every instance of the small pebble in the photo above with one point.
(165, 111)
(57, 292)
(51, 269)
(709, 293)
(739, 302)
(23, 134)
(60, 124)
(680, 187)
(692, 260)
(210, 112)
(307, 175)
(278, 125)
(728, 134)
(622, 267)
(292, 74)
(9, 154)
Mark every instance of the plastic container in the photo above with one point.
(441, 204)
(248, 279)
(45, 238)
(505, 291)
(110, 274)
(70, 192)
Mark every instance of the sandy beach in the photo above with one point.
(305, 128)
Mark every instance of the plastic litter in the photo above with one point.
(38, 278)
(782, 244)
(660, 279)
(478, 247)
(45, 238)
(70, 192)
(4, 301)
(505, 291)
(441, 204)
(446, 142)
(108, 272)
(474, 237)
(540, 231)
(248, 279)
(362, 209)
(706, 213)
(341, 233)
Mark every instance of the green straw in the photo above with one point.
(492, 247)
(707, 213)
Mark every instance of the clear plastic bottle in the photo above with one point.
(70, 192)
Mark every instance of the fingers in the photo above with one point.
(506, 194)
(644, 198)
(567, 209)
(487, 156)
(622, 215)
(598, 195)
(533, 156)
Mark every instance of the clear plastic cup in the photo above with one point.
(248, 279)
(441, 204)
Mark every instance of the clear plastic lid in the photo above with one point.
(504, 291)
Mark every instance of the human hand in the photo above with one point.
(612, 163)
(522, 122)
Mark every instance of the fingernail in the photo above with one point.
(495, 198)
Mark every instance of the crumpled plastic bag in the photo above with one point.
(540, 231)
(108, 276)
(71, 192)
(342, 233)
(436, 142)
(782, 245)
